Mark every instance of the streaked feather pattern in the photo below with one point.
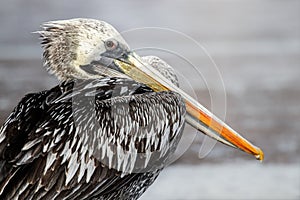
(97, 139)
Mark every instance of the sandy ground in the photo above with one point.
(256, 46)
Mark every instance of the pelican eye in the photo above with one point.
(111, 45)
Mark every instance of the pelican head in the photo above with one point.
(69, 45)
(88, 48)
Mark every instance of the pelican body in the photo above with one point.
(110, 126)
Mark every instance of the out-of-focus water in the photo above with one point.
(256, 46)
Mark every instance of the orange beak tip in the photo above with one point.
(260, 155)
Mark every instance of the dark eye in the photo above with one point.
(111, 45)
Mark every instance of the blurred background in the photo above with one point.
(256, 46)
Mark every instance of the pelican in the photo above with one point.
(110, 126)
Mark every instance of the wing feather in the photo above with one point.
(86, 139)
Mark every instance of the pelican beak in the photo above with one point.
(197, 115)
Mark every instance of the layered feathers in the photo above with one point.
(87, 139)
